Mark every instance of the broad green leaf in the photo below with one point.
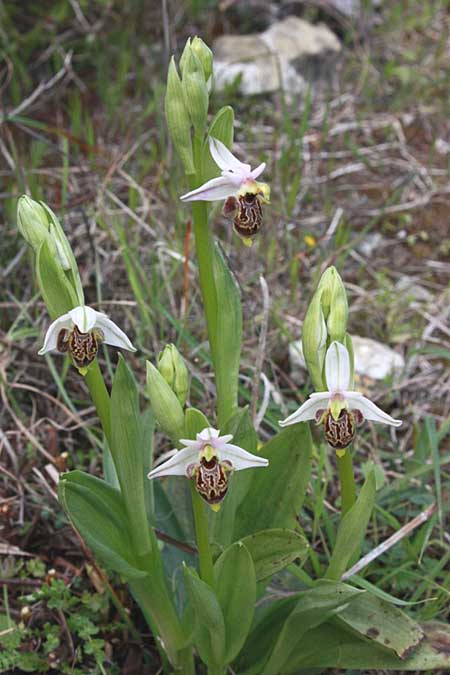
(314, 607)
(228, 337)
(272, 550)
(195, 422)
(222, 129)
(127, 449)
(97, 511)
(263, 636)
(383, 623)
(332, 646)
(57, 292)
(235, 579)
(351, 529)
(245, 436)
(276, 492)
(209, 633)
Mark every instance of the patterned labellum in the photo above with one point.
(248, 216)
(211, 479)
(341, 432)
(82, 347)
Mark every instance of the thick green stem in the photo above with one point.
(348, 489)
(202, 537)
(204, 246)
(100, 397)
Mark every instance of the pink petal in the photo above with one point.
(258, 171)
(225, 159)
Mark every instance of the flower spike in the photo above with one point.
(80, 333)
(238, 186)
(209, 461)
(339, 409)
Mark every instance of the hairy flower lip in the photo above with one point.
(338, 396)
(236, 176)
(86, 320)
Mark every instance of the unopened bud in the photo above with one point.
(204, 55)
(195, 91)
(334, 304)
(172, 367)
(165, 404)
(32, 221)
(178, 121)
(314, 341)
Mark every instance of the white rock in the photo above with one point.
(265, 61)
(407, 287)
(370, 244)
(372, 359)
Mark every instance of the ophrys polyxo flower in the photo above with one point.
(244, 195)
(80, 332)
(339, 409)
(209, 461)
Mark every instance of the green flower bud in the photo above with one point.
(166, 406)
(172, 367)
(314, 340)
(178, 121)
(32, 221)
(334, 304)
(325, 321)
(195, 91)
(205, 56)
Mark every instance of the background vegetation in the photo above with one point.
(364, 159)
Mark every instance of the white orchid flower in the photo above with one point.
(244, 195)
(339, 409)
(209, 460)
(80, 333)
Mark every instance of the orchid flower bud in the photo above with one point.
(32, 221)
(172, 367)
(195, 90)
(165, 404)
(334, 297)
(178, 121)
(38, 224)
(325, 322)
(205, 56)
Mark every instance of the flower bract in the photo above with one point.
(80, 333)
(209, 461)
(339, 409)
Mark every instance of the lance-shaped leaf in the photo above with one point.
(57, 292)
(314, 607)
(333, 646)
(228, 337)
(383, 623)
(195, 422)
(209, 632)
(275, 498)
(98, 513)
(235, 580)
(127, 449)
(352, 529)
(273, 550)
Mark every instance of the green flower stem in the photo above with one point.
(100, 397)
(348, 489)
(204, 246)
(202, 537)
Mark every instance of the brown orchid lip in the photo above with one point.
(211, 478)
(81, 347)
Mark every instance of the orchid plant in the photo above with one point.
(245, 527)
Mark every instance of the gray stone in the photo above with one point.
(276, 58)
(372, 359)
(407, 287)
